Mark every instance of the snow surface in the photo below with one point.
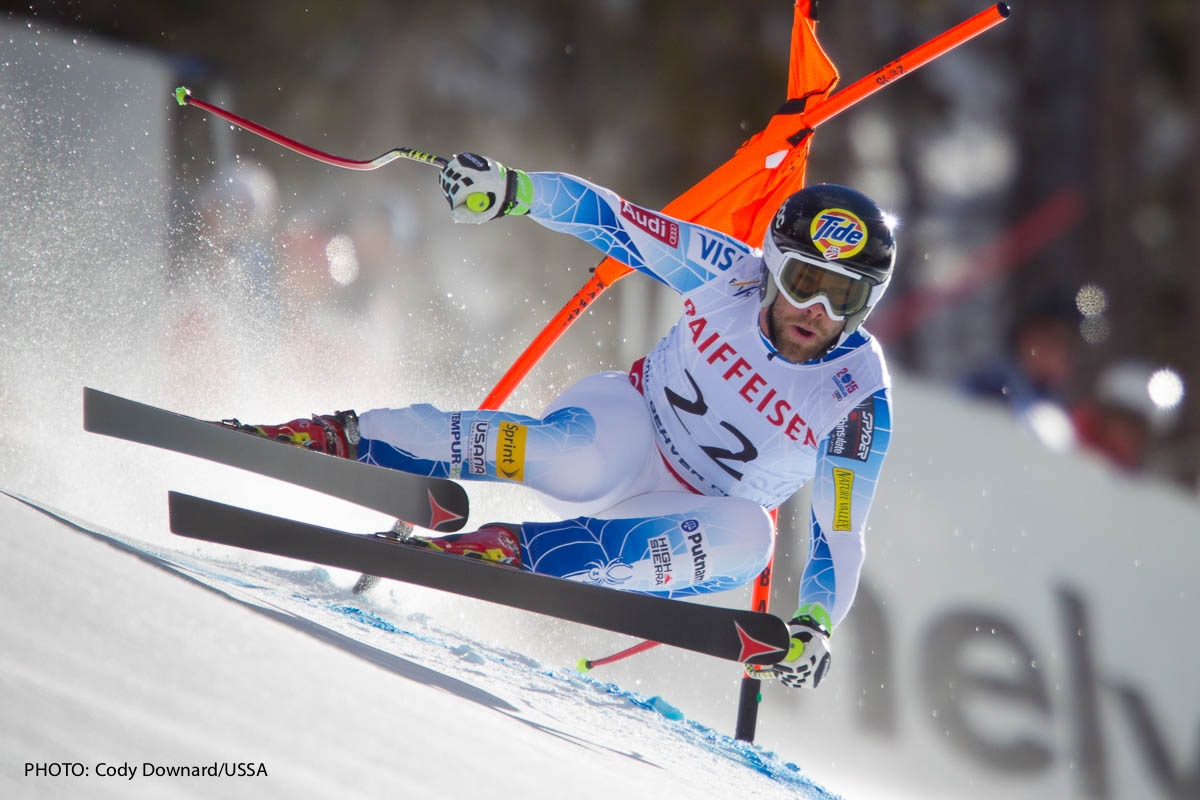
(119, 652)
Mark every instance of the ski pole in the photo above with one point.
(183, 96)
(476, 201)
(586, 664)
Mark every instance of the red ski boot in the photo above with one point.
(495, 542)
(335, 434)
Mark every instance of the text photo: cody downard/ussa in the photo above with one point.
(146, 769)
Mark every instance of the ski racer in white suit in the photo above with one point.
(665, 475)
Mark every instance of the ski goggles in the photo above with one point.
(803, 281)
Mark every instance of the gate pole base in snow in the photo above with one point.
(747, 718)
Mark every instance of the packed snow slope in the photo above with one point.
(121, 654)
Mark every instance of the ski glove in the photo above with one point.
(479, 189)
(807, 660)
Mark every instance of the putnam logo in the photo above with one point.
(510, 451)
(843, 485)
(837, 233)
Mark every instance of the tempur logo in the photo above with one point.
(456, 455)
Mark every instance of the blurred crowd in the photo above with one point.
(1126, 417)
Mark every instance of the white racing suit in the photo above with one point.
(666, 474)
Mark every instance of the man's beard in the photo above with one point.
(798, 352)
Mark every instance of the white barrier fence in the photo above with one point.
(1024, 628)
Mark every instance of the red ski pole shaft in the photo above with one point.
(586, 664)
(183, 96)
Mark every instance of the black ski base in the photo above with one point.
(432, 503)
(737, 635)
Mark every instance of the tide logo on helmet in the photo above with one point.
(838, 233)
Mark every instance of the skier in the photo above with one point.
(664, 476)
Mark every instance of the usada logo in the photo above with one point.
(838, 233)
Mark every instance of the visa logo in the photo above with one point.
(710, 251)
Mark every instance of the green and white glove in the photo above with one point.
(479, 189)
(807, 660)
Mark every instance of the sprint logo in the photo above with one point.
(510, 451)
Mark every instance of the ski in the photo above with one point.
(432, 503)
(737, 635)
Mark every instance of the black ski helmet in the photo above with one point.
(829, 244)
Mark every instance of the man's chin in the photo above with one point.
(799, 348)
(800, 352)
(798, 342)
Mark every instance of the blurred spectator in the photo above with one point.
(1039, 365)
(304, 274)
(1034, 377)
(1123, 417)
(226, 264)
(238, 214)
